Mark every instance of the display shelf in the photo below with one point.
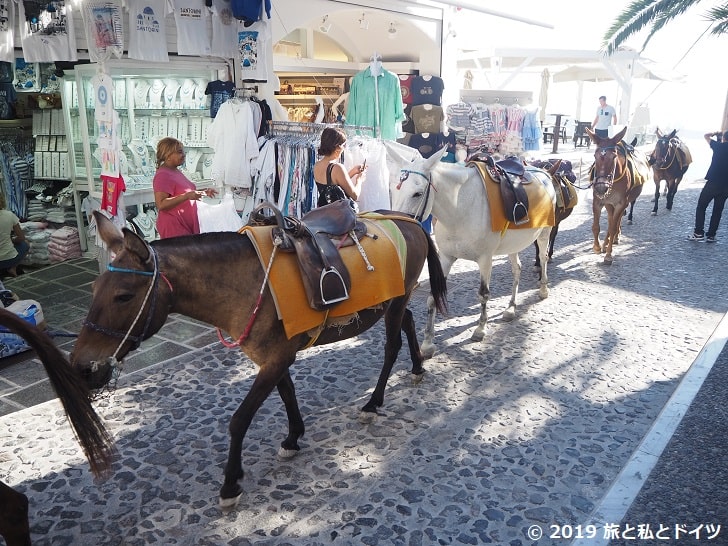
(152, 101)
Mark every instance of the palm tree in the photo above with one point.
(655, 14)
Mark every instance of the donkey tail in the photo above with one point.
(95, 440)
(438, 283)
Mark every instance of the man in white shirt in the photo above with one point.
(606, 116)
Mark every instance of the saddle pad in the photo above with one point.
(541, 210)
(368, 288)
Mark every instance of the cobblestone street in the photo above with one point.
(528, 428)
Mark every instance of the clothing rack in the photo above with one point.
(488, 96)
(278, 128)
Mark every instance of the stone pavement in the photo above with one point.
(529, 428)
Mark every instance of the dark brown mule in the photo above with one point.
(74, 396)
(617, 178)
(217, 278)
(564, 206)
(670, 161)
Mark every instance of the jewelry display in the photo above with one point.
(146, 226)
(155, 94)
(172, 123)
(120, 94)
(153, 128)
(187, 94)
(207, 166)
(192, 160)
(141, 94)
(170, 93)
(200, 97)
(206, 123)
(123, 164)
(141, 129)
(140, 155)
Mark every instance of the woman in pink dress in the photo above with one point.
(174, 194)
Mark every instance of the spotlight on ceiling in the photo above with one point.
(363, 23)
(325, 26)
(392, 32)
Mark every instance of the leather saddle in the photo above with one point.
(510, 174)
(316, 239)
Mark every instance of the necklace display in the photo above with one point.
(170, 93)
(146, 226)
(187, 94)
(192, 160)
(200, 96)
(141, 92)
(155, 94)
(207, 167)
(140, 154)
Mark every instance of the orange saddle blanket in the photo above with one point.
(387, 253)
(541, 209)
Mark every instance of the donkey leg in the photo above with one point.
(510, 312)
(286, 390)
(543, 278)
(629, 216)
(268, 377)
(486, 270)
(14, 525)
(409, 329)
(657, 198)
(597, 212)
(671, 191)
(428, 344)
(393, 319)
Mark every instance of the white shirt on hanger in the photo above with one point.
(233, 138)
(224, 30)
(47, 48)
(147, 30)
(191, 19)
(7, 42)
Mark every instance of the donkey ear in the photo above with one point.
(555, 167)
(109, 232)
(435, 158)
(135, 244)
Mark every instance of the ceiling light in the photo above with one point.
(325, 26)
(363, 23)
(392, 32)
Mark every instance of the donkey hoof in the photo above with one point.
(653, 213)
(367, 417)
(509, 314)
(427, 350)
(608, 260)
(230, 502)
(284, 453)
(478, 335)
(417, 377)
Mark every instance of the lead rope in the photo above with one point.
(246, 332)
(155, 274)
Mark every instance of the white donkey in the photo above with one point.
(456, 197)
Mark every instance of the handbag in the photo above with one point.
(330, 192)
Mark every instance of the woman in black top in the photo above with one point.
(332, 179)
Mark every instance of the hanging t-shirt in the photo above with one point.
(112, 188)
(51, 37)
(427, 118)
(219, 92)
(104, 34)
(103, 95)
(250, 11)
(426, 143)
(235, 142)
(7, 42)
(191, 19)
(147, 30)
(255, 49)
(224, 29)
(427, 90)
(405, 81)
(7, 101)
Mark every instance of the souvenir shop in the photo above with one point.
(90, 90)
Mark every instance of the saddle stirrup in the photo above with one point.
(332, 285)
(516, 208)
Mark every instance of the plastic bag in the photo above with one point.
(219, 217)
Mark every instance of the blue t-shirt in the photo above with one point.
(220, 92)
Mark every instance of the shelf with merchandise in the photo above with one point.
(151, 100)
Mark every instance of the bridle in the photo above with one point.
(610, 180)
(422, 205)
(151, 293)
(668, 142)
